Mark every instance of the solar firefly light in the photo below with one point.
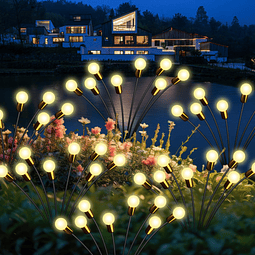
(5, 174)
(160, 177)
(165, 64)
(81, 222)
(233, 177)
(100, 149)
(43, 119)
(1, 118)
(160, 84)
(154, 222)
(93, 68)
(211, 156)
(177, 111)
(183, 75)
(222, 106)
(61, 224)
(133, 201)
(251, 171)
(90, 83)
(159, 202)
(108, 219)
(48, 98)
(196, 109)
(178, 213)
(25, 153)
(238, 157)
(199, 94)
(164, 161)
(66, 109)
(140, 64)
(95, 170)
(246, 90)
(116, 81)
(118, 160)
(49, 166)
(21, 98)
(85, 206)
(71, 85)
(73, 149)
(187, 175)
(140, 179)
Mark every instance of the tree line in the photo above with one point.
(240, 39)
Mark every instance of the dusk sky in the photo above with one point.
(222, 10)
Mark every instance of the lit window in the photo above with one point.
(77, 18)
(94, 52)
(106, 39)
(142, 52)
(35, 40)
(58, 40)
(75, 38)
(125, 23)
(23, 30)
(76, 30)
(118, 52)
(142, 39)
(157, 42)
(127, 52)
(118, 40)
(95, 39)
(129, 39)
(46, 41)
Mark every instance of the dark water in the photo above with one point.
(159, 113)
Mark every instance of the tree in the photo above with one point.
(214, 26)
(180, 22)
(201, 21)
(125, 7)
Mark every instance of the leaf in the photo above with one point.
(19, 243)
(44, 249)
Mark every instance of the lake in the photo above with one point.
(160, 113)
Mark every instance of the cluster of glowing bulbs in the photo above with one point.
(22, 97)
(74, 148)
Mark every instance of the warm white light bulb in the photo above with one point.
(84, 206)
(163, 160)
(3, 171)
(222, 105)
(43, 118)
(183, 75)
(165, 64)
(80, 221)
(71, 85)
(199, 93)
(1, 114)
(48, 97)
(160, 83)
(234, 177)
(139, 178)
(239, 156)
(246, 89)
(212, 156)
(93, 68)
(155, 222)
(177, 110)
(74, 148)
(159, 176)
(61, 224)
(160, 201)
(178, 213)
(49, 165)
(90, 83)
(25, 153)
(253, 167)
(21, 168)
(22, 97)
(116, 80)
(133, 201)
(108, 218)
(140, 63)
(101, 148)
(187, 173)
(67, 108)
(119, 160)
(196, 108)
(95, 169)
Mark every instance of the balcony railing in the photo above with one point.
(123, 28)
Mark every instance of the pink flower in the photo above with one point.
(59, 122)
(110, 124)
(151, 161)
(218, 178)
(96, 130)
(60, 132)
(79, 168)
(49, 129)
(10, 140)
(193, 167)
(5, 156)
(48, 148)
(112, 150)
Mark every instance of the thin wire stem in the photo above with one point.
(170, 190)
(132, 103)
(30, 199)
(138, 232)
(106, 107)
(122, 114)
(226, 122)
(94, 107)
(129, 221)
(193, 207)
(95, 243)
(2, 137)
(82, 244)
(64, 198)
(15, 131)
(31, 137)
(247, 142)
(141, 244)
(238, 126)
(55, 199)
(203, 200)
(100, 235)
(113, 242)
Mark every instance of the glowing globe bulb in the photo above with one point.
(80, 221)
(119, 160)
(178, 213)
(25, 153)
(234, 177)
(155, 222)
(49, 166)
(108, 218)
(196, 108)
(253, 167)
(74, 148)
(133, 201)
(48, 97)
(90, 83)
(199, 93)
(177, 110)
(187, 173)
(3, 171)
(163, 160)
(212, 156)
(61, 224)
(101, 148)
(183, 75)
(140, 64)
(116, 80)
(1, 114)
(160, 83)
(246, 89)
(22, 97)
(84, 206)
(159, 176)
(160, 201)
(93, 68)
(71, 85)
(21, 168)
(222, 105)
(165, 64)
(43, 118)
(239, 156)
(139, 178)
(95, 169)
(67, 108)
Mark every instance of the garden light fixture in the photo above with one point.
(183, 75)
(160, 84)
(140, 179)
(246, 90)
(187, 175)
(177, 111)
(116, 81)
(233, 177)
(159, 202)
(165, 64)
(133, 201)
(73, 149)
(43, 119)
(66, 109)
(71, 85)
(140, 64)
(160, 177)
(81, 222)
(95, 169)
(93, 68)
(90, 83)
(108, 219)
(85, 206)
(154, 223)
(222, 106)
(21, 98)
(196, 109)
(100, 149)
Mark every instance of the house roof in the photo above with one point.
(85, 22)
(120, 16)
(215, 44)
